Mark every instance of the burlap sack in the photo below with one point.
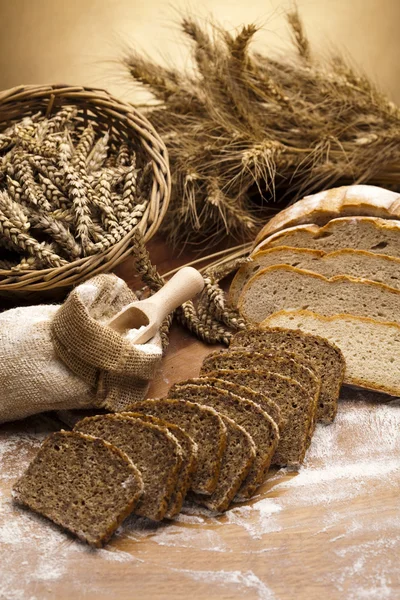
(65, 357)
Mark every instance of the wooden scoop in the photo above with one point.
(149, 314)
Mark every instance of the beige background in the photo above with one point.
(79, 41)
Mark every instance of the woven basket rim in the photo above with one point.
(53, 96)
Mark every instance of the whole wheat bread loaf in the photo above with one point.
(361, 233)
(204, 425)
(263, 430)
(355, 200)
(326, 359)
(356, 263)
(152, 448)
(296, 406)
(288, 288)
(371, 348)
(189, 462)
(82, 483)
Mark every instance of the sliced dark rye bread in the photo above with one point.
(324, 357)
(263, 430)
(82, 483)
(189, 462)
(237, 461)
(153, 449)
(296, 407)
(256, 395)
(204, 425)
(283, 362)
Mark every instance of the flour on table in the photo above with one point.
(336, 481)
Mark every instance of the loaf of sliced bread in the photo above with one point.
(288, 288)
(263, 430)
(204, 425)
(152, 448)
(189, 462)
(297, 410)
(361, 233)
(82, 483)
(322, 356)
(371, 348)
(355, 200)
(356, 263)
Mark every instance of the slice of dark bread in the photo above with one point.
(82, 483)
(263, 430)
(260, 397)
(326, 359)
(237, 461)
(153, 449)
(189, 462)
(296, 406)
(284, 364)
(205, 427)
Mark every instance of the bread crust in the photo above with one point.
(353, 200)
(318, 231)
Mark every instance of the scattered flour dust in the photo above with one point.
(349, 463)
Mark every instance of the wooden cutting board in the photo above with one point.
(331, 531)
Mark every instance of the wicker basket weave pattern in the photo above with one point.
(124, 123)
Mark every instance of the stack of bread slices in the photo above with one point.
(330, 265)
(212, 439)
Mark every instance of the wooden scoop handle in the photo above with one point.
(183, 286)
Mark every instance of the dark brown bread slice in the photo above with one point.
(153, 449)
(205, 427)
(258, 396)
(263, 430)
(82, 483)
(238, 458)
(326, 359)
(283, 363)
(189, 462)
(296, 409)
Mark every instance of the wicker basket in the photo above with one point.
(124, 122)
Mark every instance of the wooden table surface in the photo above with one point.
(330, 531)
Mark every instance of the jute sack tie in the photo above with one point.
(56, 357)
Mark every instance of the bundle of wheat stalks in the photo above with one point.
(248, 133)
(65, 191)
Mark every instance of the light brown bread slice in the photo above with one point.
(355, 200)
(153, 449)
(263, 430)
(189, 462)
(204, 425)
(325, 358)
(287, 288)
(294, 402)
(361, 233)
(82, 483)
(356, 263)
(371, 348)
